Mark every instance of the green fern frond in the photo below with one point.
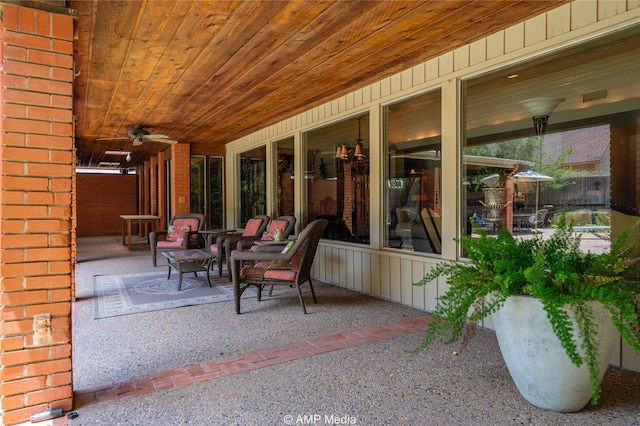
(553, 270)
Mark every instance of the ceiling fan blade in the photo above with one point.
(113, 139)
(156, 137)
(137, 142)
(169, 141)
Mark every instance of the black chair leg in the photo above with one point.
(304, 309)
(313, 293)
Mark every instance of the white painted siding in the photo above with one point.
(388, 273)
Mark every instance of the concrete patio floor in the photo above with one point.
(343, 363)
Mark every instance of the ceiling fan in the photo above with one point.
(139, 135)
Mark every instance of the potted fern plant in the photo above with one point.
(574, 295)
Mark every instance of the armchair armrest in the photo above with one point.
(216, 238)
(262, 254)
(264, 247)
(156, 236)
(187, 237)
(231, 242)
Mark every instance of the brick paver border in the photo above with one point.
(209, 370)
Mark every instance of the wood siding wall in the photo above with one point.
(388, 273)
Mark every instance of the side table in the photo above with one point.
(188, 261)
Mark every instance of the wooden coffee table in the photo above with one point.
(188, 261)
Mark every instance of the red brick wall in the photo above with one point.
(146, 184)
(180, 178)
(153, 185)
(161, 188)
(36, 156)
(101, 199)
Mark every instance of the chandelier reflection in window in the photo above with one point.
(354, 156)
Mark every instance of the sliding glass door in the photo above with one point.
(207, 189)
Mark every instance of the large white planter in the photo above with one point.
(537, 362)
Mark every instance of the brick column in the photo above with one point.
(180, 178)
(146, 191)
(153, 185)
(36, 170)
(141, 180)
(162, 187)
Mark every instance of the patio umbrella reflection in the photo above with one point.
(533, 176)
(492, 181)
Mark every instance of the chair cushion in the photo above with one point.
(176, 232)
(273, 226)
(280, 274)
(193, 223)
(252, 227)
(169, 244)
(214, 248)
(268, 270)
(287, 248)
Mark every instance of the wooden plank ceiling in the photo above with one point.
(209, 72)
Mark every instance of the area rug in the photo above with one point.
(115, 295)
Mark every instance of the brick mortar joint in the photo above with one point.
(43, 36)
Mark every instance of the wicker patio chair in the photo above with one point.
(231, 245)
(253, 230)
(175, 238)
(265, 267)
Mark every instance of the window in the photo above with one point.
(206, 189)
(578, 154)
(253, 186)
(285, 196)
(413, 199)
(337, 178)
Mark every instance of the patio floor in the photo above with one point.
(343, 363)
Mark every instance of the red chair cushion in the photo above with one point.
(194, 224)
(269, 270)
(169, 244)
(176, 232)
(280, 274)
(214, 248)
(275, 224)
(252, 227)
